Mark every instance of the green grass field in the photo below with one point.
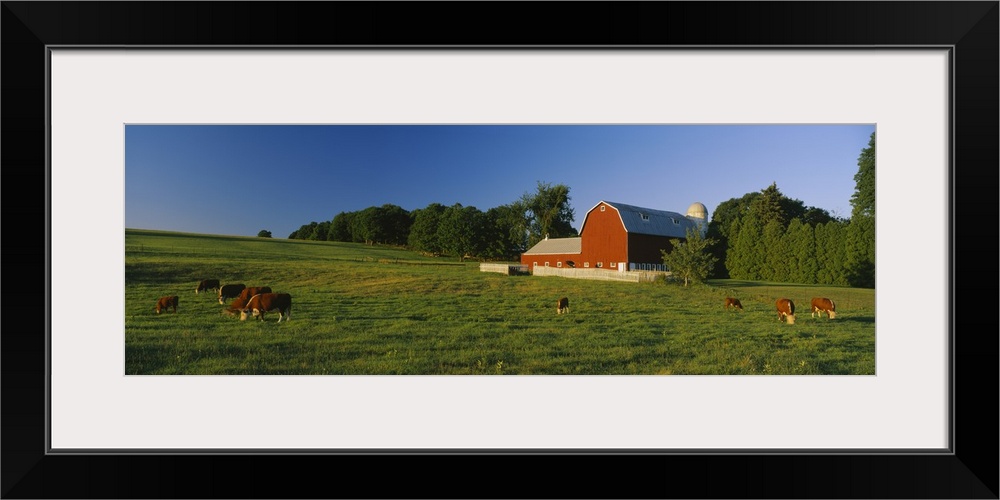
(360, 310)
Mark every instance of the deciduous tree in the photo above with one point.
(424, 230)
(549, 212)
(690, 259)
(460, 231)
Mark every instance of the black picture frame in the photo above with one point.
(969, 28)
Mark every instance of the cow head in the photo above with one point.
(253, 312)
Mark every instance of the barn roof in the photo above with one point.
(641, 220)
(556, 246)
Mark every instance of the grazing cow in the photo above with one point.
(235, 307)
(562, 306)
(230, 292)
(206, 285)
(167, 303)
(265, 302)
(734, 303)
(250, 291)
(786, 311)
(823, 304)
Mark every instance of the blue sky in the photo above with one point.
(240, 179)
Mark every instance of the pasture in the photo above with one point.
(363, 310)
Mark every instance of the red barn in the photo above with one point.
(618, 237)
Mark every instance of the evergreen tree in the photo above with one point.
(768, 206)
(860, 250)
(720, 230)
(748, 250)
(801, 242)
(735, 263)
(863, 199)
(776, 255)
(831, 249)
(689, 259)
(813, 216)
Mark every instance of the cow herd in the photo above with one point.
(786, 308)
(248, 300)
(257, 301)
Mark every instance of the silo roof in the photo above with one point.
(641, 220)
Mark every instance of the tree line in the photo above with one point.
(766, 236)
(499, 233)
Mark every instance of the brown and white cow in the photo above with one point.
(820, 305)
(786, 311)
(169, 302)
(250, 291)
(733, 303)
(235, 307)
(230, 292)
(266, 302)
(206, 285)
(562, 305)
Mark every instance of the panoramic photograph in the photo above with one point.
(499, 249)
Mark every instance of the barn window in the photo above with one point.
(602, 208)
(546, 264)
(559, 264)
(646, 217)
(675, 221)
(599, 264)
(586, 264)
(614, 264)
(535, 264)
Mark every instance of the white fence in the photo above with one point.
(509, 269)
(600, 274)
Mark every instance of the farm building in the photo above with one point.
(618, 237)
